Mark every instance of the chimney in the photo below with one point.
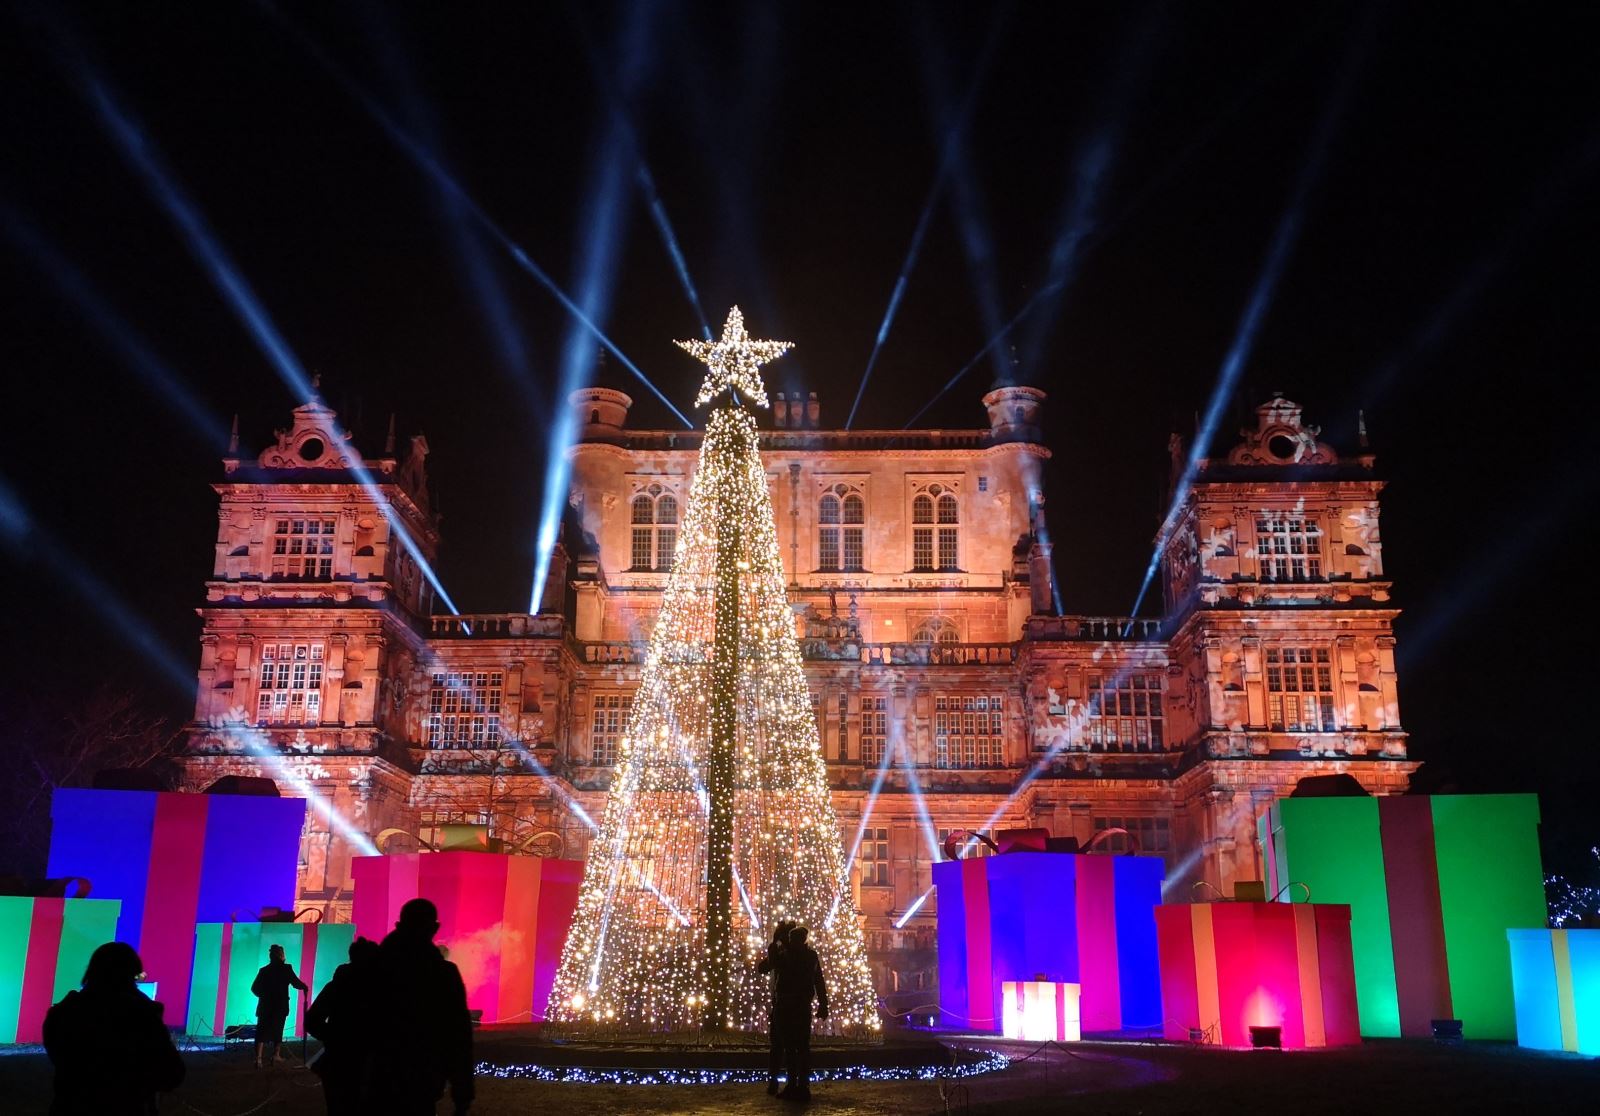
(813, 412)
(780, 411)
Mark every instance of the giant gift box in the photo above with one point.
(1069, 918)
(176, 860)
(1556, 975)
(44, 947)
(1433, 883)
(227, 956)
(1230, 966)
(502, 919)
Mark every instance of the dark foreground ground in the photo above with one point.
(1119, 1078)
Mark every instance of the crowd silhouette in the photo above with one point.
(393, 1023)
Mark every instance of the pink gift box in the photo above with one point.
(502, 919)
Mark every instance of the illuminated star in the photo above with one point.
(733, 360)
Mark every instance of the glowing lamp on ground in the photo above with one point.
(502, 919)
(1232, 973)
(175, 860)
(1040, 1010)
(1556, 978)
(227, 956)
(1433, 884)
(44, 947)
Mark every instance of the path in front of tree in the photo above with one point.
(1121, 1078)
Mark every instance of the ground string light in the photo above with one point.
(989, 1061)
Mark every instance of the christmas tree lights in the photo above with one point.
(719, 823)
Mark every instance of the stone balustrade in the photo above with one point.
(495, 625)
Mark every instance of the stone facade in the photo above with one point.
(949, 692)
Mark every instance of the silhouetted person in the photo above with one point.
(769, 964)
(271, 990)
(799, 981)
(344, 1019)
(111, 1051)
(427, 1033)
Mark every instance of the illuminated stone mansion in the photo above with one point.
(920, 577)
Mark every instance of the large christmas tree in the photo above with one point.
(719, 822)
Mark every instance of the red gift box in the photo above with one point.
(1227, 967)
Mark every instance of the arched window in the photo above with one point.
(921, 535)
(854, 522)
(644, 512)
(948, 526)
(828, 532)
(666, 530)
(937, 630)
(935, 524)
(655, 529)
(841, 519)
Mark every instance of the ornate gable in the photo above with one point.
(1281, 438)
(314, 441)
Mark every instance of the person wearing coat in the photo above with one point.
(271, 989)
(111, 1051)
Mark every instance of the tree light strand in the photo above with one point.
(646, 948)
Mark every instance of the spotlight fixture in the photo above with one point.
(1266, 1038)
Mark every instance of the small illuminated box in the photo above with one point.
(1040, 1010)
(1555, 978)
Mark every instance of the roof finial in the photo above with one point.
(388, 442)
(1361, 428)
(316, 383)
(233, 436)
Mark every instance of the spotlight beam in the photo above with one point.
(621, 120)
(140, 154)
(861, 826)
(947, 158)
(1551, 198)
(428, 164)
(1042, 764)
(604, 230)
(929, 832)
(911, 911)
(1150, 190)
(490, 297)
(1091, 169)
(23, 533)
(971, 215)
(1284, 239)
(168, 386)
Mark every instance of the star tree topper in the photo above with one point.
(733, 360)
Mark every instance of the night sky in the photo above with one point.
(1438, 272)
